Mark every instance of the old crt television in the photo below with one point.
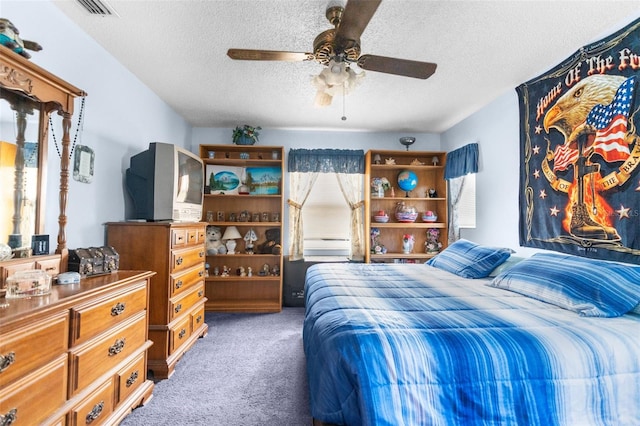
(166, 183)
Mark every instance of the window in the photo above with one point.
(467, 204)
(326, 219)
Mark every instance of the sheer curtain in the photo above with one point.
(459, 163)
(351, 185)
(303, 167)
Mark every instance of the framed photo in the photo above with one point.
(223, 179)
(264, 180)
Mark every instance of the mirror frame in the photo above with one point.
(22, 77)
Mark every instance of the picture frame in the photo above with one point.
(223, 179)
(264, 180)
(83, 159)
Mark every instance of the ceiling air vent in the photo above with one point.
(97, 7)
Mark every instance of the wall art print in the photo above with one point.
(580, 152)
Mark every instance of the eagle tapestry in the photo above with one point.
(580, 151)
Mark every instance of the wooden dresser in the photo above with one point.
(176, 252)
(77, 355)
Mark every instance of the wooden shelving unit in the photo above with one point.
(234, 293)
(429, 176)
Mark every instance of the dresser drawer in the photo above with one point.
(50, 266)
(94, 358)
(91, 319)
(94, 409)
(184, 303)
(17, 348)
(201, 235)
(186, 258)
(129, 378)
(178, 237)
(184, 280)
(36, 396)
(192, 236)
(179, 334)
(197, 317)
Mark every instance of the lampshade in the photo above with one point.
(231, 233)
(336, 78)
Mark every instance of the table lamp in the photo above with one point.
(230, 236)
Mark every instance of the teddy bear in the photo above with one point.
(272, 245)
(213, 242)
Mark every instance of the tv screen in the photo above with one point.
(166, 183)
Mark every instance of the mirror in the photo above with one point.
(22, 160)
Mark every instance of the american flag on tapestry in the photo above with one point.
(610, 122)
(563, 157)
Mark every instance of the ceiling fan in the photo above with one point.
(339, 47)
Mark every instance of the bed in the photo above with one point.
(417, 344)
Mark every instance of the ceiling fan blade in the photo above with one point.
(355, 18)
(403, 67)
(269, 55)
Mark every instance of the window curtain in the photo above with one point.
(351, 185)
(459, 163)
(303, 167)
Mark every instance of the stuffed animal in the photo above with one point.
(272, 245)
(213, 242)
(10, 37)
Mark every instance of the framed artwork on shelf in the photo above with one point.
(223, 179)
(264, 180)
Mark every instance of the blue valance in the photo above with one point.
(461, 161)
(326, 160)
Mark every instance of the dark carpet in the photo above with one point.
(249, 370)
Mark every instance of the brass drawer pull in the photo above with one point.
(179, 261)
(132, 378)
(182, 333)
(178, 284)
(117, 347)
(118, 309)
(7, 360)
(178, 307)
(201, 273)
(9, 418)
(200, 293)
(95, 412)
(201, 254)
(198, 319)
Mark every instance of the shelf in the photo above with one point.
(255, 278)
(403, 256)
(268, 224)
(405, 166)
(237, 255)
(419, 225)
(237, 162)
(255, 196)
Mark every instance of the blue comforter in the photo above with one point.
(391, 344)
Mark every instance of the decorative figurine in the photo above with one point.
(390, 161)
(435, 161)
(225, 271)
(249, 271)
(408, 240)
(431, 193)
(433, 245)
(376, 246)
(417, 162)
(249, 238)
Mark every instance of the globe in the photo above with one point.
(407, 180)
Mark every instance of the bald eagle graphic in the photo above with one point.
(596, 109)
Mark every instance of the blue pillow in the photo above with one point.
(469, 260)
(592, 288)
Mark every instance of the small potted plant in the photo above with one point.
(246, 135)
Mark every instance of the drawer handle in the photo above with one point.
(9, 418)
(118, 309)
(117, 347)
(200, 293)
(198, 319)
(178, 284)
(201, 254)
(132, 378)
(178, 307)
(95, 412)
(7, 360)
(201, 273)
(179, 261)
(182, 333)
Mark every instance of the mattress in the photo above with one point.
(409, 344)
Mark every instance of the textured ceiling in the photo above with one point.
(483, 49)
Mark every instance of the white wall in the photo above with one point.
(496, 129)
(121, 117)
